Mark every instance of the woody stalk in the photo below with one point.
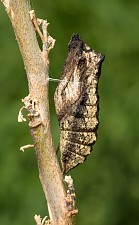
(36, 64)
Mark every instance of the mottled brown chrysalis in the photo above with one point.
(77, 103)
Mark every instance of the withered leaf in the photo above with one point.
(77, 102)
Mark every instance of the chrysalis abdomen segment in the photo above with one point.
(78, 129)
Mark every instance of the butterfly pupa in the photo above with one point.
(77, 102)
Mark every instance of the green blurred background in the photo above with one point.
(107, 184)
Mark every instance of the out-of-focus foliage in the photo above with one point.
(107, 184)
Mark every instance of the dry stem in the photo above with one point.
(36, 65)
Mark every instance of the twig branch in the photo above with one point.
(36, 65)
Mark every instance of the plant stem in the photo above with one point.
(37, 75)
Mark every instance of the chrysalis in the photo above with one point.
(77, 103)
